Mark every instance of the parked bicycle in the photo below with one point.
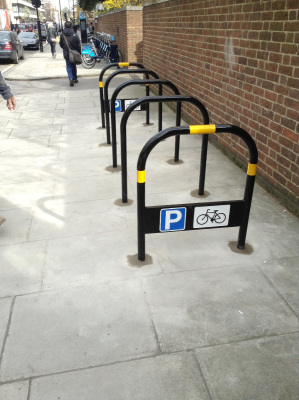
(213, 216)
(100, 47)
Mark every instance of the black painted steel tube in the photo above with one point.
(141, 163)
(116, 92)
(160, 107)
(146, 72)
(248, 192)
(123, 127)
(203, 165)
(116, 64)
(147, 93)
(141, 220)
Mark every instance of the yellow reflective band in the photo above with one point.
(100, 84)
(147, 84)
(124, 64)
(202, 129)
(140, 176)
(251, 170)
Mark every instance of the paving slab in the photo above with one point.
(284, 223)
(174, 376)
(28, 144)
(43, 101)
(76, 120)
(52, 220)
(41, 114)
(21, 267)
(265, 368)
(213, 306)
(5, 306)
(25, 194)
(27, 169)
(66, 263)
(86, 189)
(76, 328)
(80, 104)
(284, 274)
(5, 133)
(26, 125)
(72, 168)
(16, 228)
(15, 391)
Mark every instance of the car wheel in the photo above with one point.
(16, 60)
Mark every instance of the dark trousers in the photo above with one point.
(71, 70)
(53, 47)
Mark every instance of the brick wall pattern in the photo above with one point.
(126, 26)
(240, 58)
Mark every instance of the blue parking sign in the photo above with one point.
(172, 219)
(117, 105)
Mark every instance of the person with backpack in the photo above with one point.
(73, 42)
(51, 39)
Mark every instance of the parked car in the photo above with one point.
(30, 39)
(11, 47)
(43, 28)
(23, 27)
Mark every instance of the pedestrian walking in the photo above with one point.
(51, 38)
(11, 105)
(73, 42)
(91, 28)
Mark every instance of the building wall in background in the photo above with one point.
(126, 26)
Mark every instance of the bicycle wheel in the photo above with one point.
(202, 219)
(220, 218)
(88, 62)
(119, 56)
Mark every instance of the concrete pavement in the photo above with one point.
(80, 318)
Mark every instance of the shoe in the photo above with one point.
(71, 82)
(54, 56)
(2, 219)
(76, 81)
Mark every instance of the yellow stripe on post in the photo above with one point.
(100, 84)
(123, 64)
(202, 129)
(251, 170)
(140, 176)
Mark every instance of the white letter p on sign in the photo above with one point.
(169, 220)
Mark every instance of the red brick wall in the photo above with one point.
(126, 26)
(240, 58)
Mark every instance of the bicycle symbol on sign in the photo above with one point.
(213, 216)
